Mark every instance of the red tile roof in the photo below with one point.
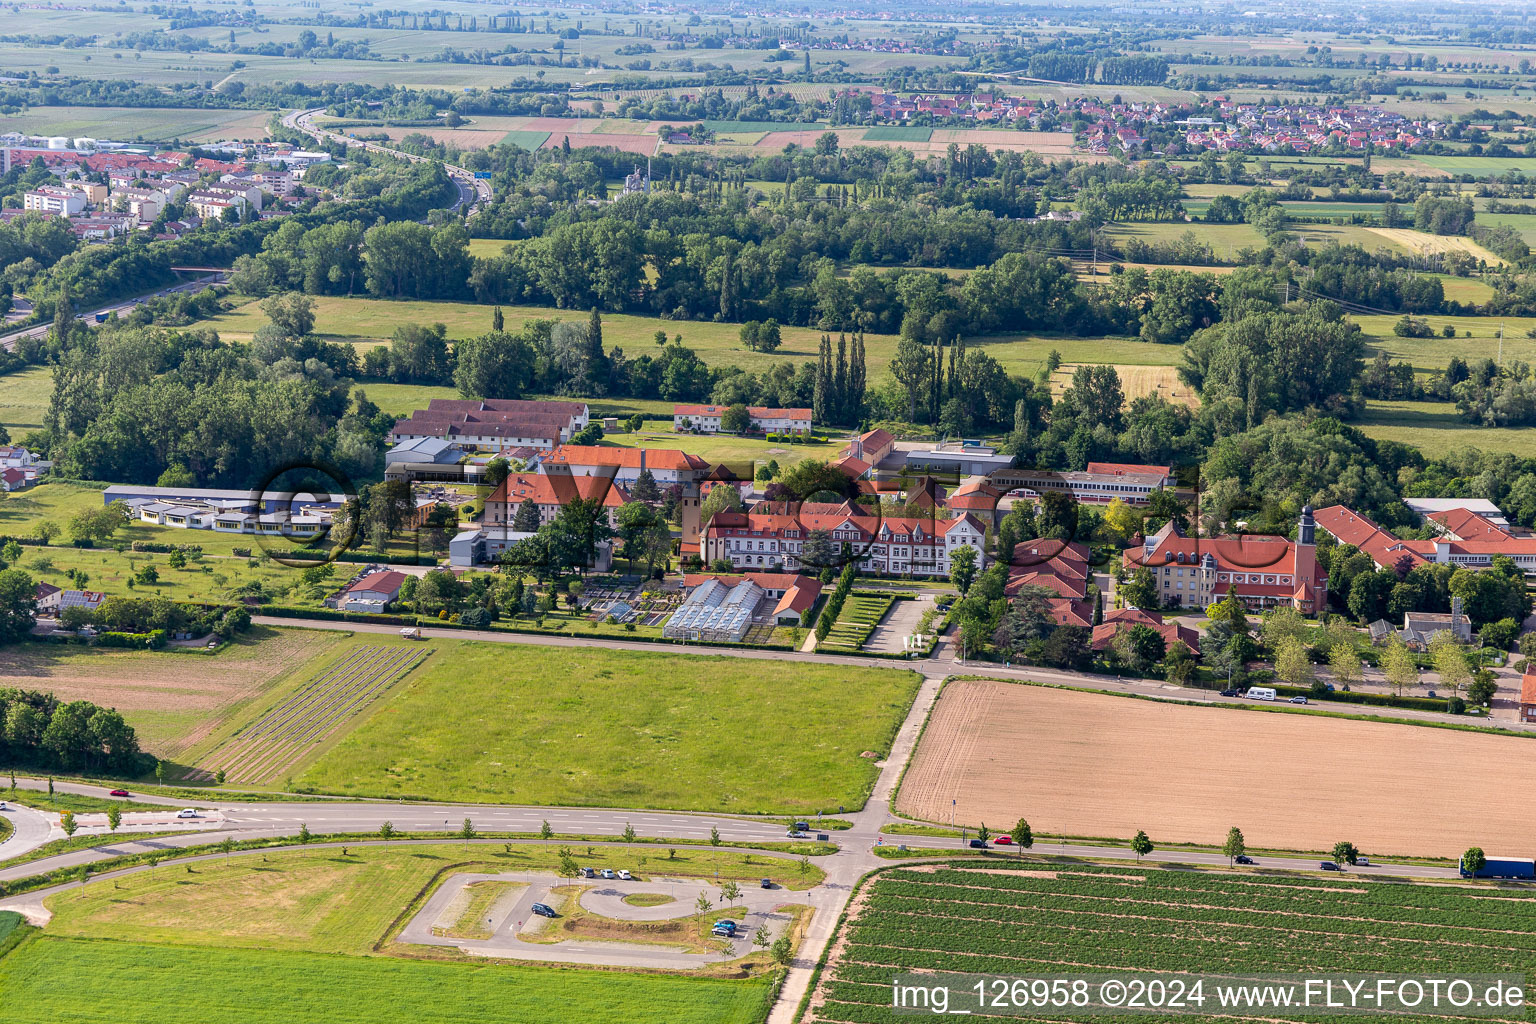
(387, 582)
(625, 458)
(557, 490)
(1127, 468)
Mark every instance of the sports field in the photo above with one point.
(1097, 765)
(1040, 921)
(605, 728)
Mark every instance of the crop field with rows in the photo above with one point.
(1087, 920)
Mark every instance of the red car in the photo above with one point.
(1004, 840)
(119, 792)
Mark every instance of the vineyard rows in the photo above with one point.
(1085, 921)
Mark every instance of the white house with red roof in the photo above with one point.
(1467, 539)
(369, 593)
(705, 419)
(549, 493)
(773, 535)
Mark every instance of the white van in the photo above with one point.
(1261, 693)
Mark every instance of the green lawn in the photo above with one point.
(24, 399)
(51, 980)
(588, 726)
(1435, 428)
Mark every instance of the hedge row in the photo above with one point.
(1387, 700)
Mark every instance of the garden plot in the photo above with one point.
(275, 742)
(1121, 920)
(860, 614)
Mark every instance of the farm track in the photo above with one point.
(274, 742)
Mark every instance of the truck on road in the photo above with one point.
(1501, 867)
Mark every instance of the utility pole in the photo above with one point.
(1501, 342)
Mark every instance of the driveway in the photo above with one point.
(901, 621)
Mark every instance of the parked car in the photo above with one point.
(544, 910)
(187, 812)
(978, 844)
(588, 873)
(118, 792)
(1243, 858)
(767, 882)
(1298, 700)
(725, 928)
(608, 873)
(797, 834)
(625, 876)
(1432, 693)
(1004, 840)
(1329, 865)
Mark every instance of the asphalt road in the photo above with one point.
(8, 341)
(942, 663)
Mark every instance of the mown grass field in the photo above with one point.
(1125, 919)
(174, 984)
(124, 124)
(596, 727)
(24, 399)
(1435, 427)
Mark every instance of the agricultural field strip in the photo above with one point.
(273, 741)
(933, 921)
(321, 705)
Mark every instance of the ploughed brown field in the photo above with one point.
(1088, 764)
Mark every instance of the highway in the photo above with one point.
(121, 308)
(473, 192)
